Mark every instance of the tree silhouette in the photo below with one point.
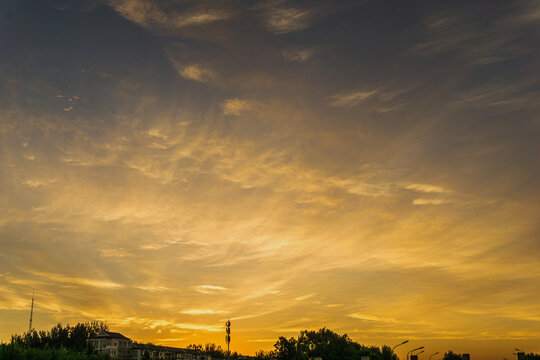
(450, 355)
(328, 345)
(69, 337)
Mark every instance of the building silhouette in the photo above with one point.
(117, 346)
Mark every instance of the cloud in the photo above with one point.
(304, 297)
(350, 99)
(153, 288)
(371, 317)
(430, 201)
(333, 305)
(426, 188)
(104, 284)
(210, 289)
(202, 312)
(270, 289)
(117, 253)
(33, 183)
(282, 20)
(457, 32)
(195, 72)
(299, 55)
(358, 186)
(189, 326)
(148, 13)
(170, 339)
(236, 106)
(501, 95)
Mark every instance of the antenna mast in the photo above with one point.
(228, 336)
(31, 311)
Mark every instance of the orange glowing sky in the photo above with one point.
(368, 166)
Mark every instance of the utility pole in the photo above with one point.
(228, 336)
(31, 311)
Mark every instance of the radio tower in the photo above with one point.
(31, 312)
(228, 336)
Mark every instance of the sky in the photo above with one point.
(368, 166)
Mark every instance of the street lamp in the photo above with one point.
(433, 355)
(410, 352)
(406, 341)
(392, 351)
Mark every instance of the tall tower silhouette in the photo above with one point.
(228, 336)
(31, 312)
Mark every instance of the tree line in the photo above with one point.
(69, 343)
(59, 343)
(215, 351)
(68, 337)
(326, 344)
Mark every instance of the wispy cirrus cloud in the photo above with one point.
(150, 14)
(370, 317)
(33, 183)
(118, 253)
(54, 277)
(351, 98)
(194, 72)
(299, 55)
(431, 201)
(282, 19)
(202, 312)
(427, 188)
(236, 106)
(210, 289)
(304, 297)
(479, 44)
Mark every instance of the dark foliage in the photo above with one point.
(215, 351)
(69, 337)
(328, 345)
(450, 355)
(265, 355)
(14, 351)
(531, 356)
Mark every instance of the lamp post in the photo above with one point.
(392, 351)
(433, 355)
(416, 354)
(406, 341)
(410, 352)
